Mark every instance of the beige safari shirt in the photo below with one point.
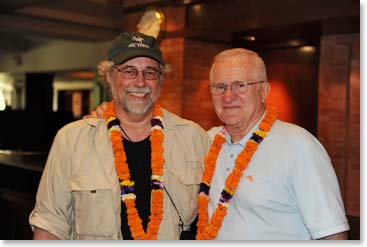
(79, 194)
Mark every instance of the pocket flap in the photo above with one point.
(88, 183)
(189, 174)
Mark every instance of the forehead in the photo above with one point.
(226, 71)
(141, 62)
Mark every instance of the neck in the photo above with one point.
(238, 131)
(136, 127)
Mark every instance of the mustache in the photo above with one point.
(141, 90)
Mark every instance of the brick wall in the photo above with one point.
(197, 104)
(353, 183)
(172, 90)
(339, 112)
(186, 89)
(173, 53)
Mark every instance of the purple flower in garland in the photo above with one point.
(156, 121)
(127, 190)
(204, 188)
(113, 123)
(226, 197)
(156, 185)
(256, 138)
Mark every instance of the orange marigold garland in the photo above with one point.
(127, 186)
(208, 229)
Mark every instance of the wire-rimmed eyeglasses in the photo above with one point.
(237, 87)
(131, 72)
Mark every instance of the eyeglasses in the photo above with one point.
(237, 87)
(129, 72)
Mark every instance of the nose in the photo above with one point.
(228, 95)
(140, 81)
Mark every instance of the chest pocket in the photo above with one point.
(184, 185)
(92, 203)
(190, 173)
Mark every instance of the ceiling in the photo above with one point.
(25, 24)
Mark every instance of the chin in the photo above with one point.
(229, 121)
(138, 108)
(230, 118)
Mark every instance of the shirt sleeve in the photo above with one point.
(317, 192)
(52, 210)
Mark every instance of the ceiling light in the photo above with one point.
(308, 48)
(249, 38)
(295, 42)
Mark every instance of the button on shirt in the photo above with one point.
(289, 191)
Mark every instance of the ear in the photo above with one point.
(107, 78)
(265, 92)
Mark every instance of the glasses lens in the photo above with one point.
(148, 74)
(129, 73)
(239, 87)
(217, 89)
(151, 74)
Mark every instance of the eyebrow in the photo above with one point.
(129, 67)
(229, 83)
(133, 67)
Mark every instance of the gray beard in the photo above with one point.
(137, 108)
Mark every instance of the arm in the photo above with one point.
(318, 194)
(41, 234)
(337, 236)
(52, 212)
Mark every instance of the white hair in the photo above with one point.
(249, 58)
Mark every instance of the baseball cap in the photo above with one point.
(129, 45)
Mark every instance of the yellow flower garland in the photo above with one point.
(209, 229)
(127, 186)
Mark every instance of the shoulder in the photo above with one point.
(290, 132)
(81, 137)
(295, 139)
(78, 128)
(213, 131)
(189, 134)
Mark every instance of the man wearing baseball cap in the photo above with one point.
(133, 174)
